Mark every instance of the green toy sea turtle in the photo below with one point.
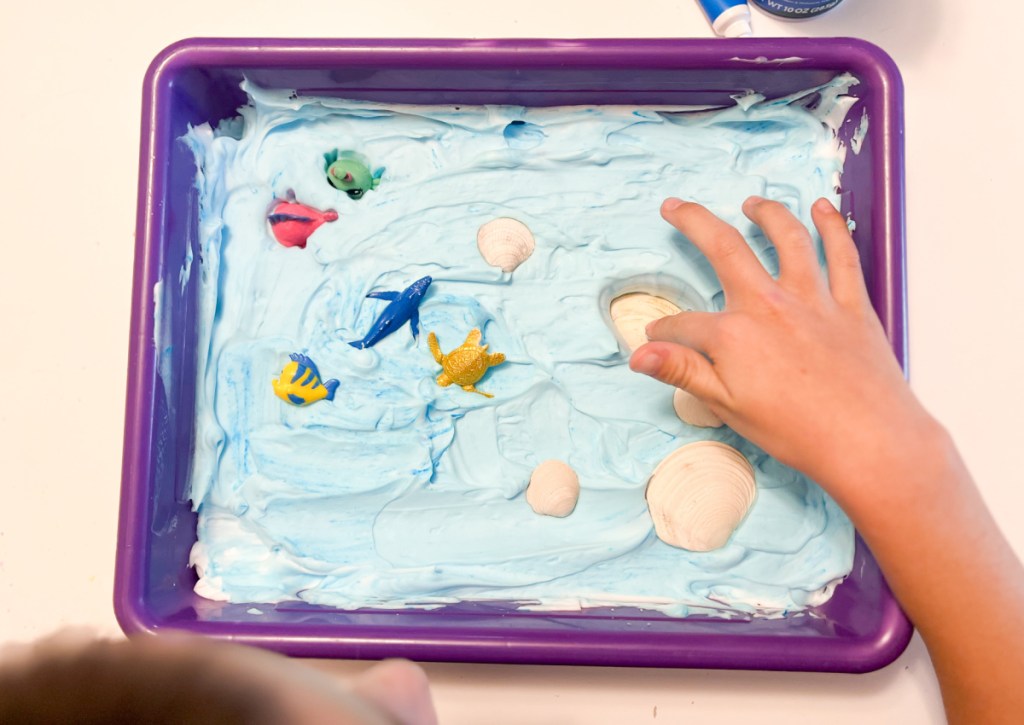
(350, 172)
(466, 364)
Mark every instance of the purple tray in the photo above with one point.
(195, 81)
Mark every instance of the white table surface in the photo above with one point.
(72, 75)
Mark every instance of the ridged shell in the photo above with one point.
(554, 489)
(505, 243)
(699, 494)
(691, 410)
(632, 312)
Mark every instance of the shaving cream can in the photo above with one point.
(796, 9)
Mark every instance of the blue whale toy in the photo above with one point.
(404, 307)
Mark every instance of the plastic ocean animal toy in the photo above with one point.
(466, 364)
(300, 382)
(292, 223)
(350, 173)
(404, 307)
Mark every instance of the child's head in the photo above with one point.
(177, 679)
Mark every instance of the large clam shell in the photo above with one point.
(505, 243)
(554, 489)
(692, 410)
(699, 494)
(632, 312)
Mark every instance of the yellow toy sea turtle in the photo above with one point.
(466, 364)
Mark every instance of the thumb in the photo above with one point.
(679, 366)
(400, 689)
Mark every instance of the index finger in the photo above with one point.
(738, 268)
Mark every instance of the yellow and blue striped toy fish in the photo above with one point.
(300, 383)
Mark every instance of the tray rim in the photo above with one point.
(531, 645)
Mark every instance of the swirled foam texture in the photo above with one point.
(402, 493)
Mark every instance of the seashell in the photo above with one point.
(553, 490)
(692, 410)
(632, 312)
(505, 243)
(699, 494)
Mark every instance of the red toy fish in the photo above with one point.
(292, 223)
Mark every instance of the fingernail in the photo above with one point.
(647, 363)
(671, 204)
(824, 204)
(755, 199)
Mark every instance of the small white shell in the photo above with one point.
(632, 312)
(554, 489)
(505, 243)
(692, 410)
(699, 494)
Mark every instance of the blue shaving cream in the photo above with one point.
(402, 493)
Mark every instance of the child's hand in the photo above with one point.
(799, 365)
(802, 367)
